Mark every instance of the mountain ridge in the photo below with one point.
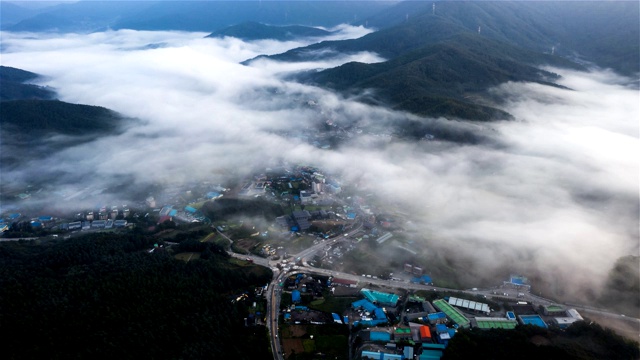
(252, 30)
(469, 48)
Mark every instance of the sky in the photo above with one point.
(553, 192)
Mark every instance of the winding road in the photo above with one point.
(274, 290)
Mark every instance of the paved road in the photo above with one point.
(274, 289)
(273, 309)
(308, 253)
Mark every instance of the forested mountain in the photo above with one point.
(440, 59)
(11, 13)
(602, 32)
(37, 117)
(440, 79)
(257, 31)
(13, 87)
(104, 296)
(88, 16)
(31, 122)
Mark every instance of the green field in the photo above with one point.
(333, 304)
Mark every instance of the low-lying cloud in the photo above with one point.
(554, 192)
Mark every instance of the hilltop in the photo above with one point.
(208, 16)
(13, 87)
(256, 31)
(32, 120)
(442, 62)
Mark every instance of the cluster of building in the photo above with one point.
(424, 334)
(95, 224)
(424, 338)
(188, 214)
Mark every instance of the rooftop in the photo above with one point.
(496, 323)
(532, 320)
(453, 313)
(380, 297)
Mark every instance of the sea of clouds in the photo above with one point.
(553, 192)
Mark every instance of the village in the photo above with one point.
(337, 294)
(401, 319)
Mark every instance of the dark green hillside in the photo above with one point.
(12, 85)
(439, 79)
(8, 73)
(604, 32)
(104, 296)
(29, 128)
(442, 63)
(88, 16)
(389, 43)
(257, 31)
(35, 117)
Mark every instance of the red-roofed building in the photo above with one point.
(425, 333)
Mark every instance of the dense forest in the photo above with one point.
(442, 61)
(581, 341)
(104, 296)
(256, 31)
(31, 120)
(13, 87)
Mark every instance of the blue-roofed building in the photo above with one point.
(379, 314)
(431, 355)
(532, 320)
(511, 315)
(213, 195)
(425, 279)
(173, 212)
(120, 223)
(518, 281)
(45, 218)
(36, 224)
(365, 304)
(190, 209)
(408, 352)
(441, 328)
(351, 216)
(380, 298)
(431, 351)
(380, 356)
(287, 316)
(438, 317)
(295, 296)
(336, 318)
(379, 336)
(98, 224)
(14, 216)
(372, 322)
(345, 319)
